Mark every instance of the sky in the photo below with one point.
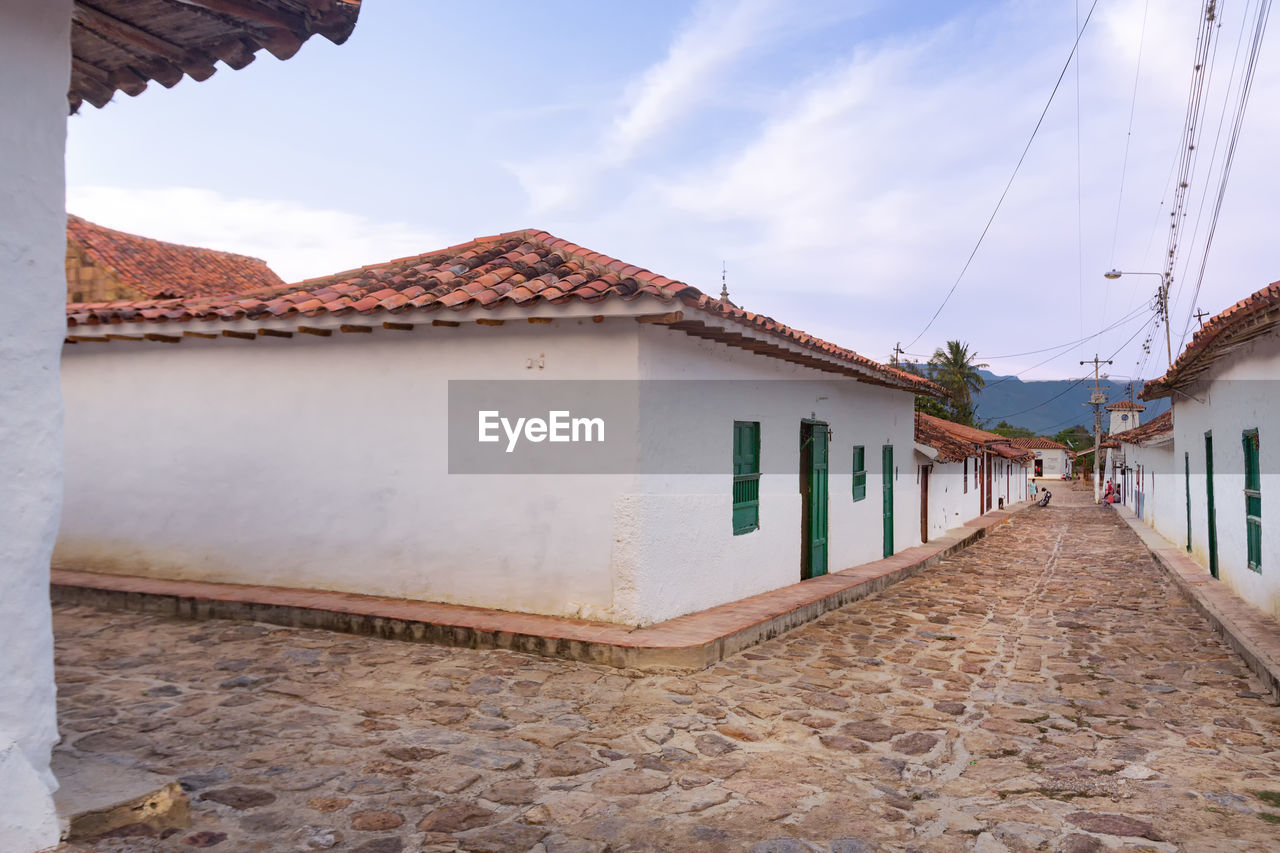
(837, 159)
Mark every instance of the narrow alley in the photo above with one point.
(1046, 689)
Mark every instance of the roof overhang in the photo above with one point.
(123, 45)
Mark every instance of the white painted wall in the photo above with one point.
(322, 462)
(35, 66)
(1056, 462)
(682, 555)
(1238, 393)
(950, 505)
(1163, 487)
(1123, 419)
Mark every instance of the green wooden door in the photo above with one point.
(814, 472)
(886, 489)
(746, 476)
(1212, 515)
(1252, 500)
(1186, 461)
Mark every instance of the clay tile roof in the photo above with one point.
(1157, 427)
(930, 432)
(1124, 405)
(1038, 443)
(972, 439)
(523, 269)
(156, 268)
(122, 45)
(1256, 315)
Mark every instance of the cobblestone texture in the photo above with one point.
(1045, 690)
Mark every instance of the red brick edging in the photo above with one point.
(690, 642)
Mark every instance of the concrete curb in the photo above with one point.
(1247, 630)
(687, 643)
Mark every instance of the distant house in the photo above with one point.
(104, 265)
(1226, 408)
(1138, 463)
(354, 433)
(1052, 458)
(965, 472)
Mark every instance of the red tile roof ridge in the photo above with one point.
(1214, 335)
(1038, 442)
(1127, 404)
(156, 267)
(458, 278)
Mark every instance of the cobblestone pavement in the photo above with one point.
(1044, 690)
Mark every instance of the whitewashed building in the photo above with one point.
(38, 81)
(965, 472)
(1052, 458)
(1225, 415)
(1124, 415)
(1144, 456)
(347, 433)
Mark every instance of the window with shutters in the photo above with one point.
(746, 476)
(1252, 499)
(859, 473)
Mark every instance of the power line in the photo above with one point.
(999, 202)
(1065, 390)
(1052, 357)
(1246, 87)
(1133, 103)
(1080, 197)
(1133, 313)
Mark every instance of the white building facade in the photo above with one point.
(1226, 446)
(38, 82)
(334, 458)
(964, 473)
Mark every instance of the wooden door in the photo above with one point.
(1212, 514)
(924, 502)
(886, 490)
(814, 473)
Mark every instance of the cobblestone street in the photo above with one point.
(1046, 689)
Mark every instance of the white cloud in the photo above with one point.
(719, 33)
(295, 240)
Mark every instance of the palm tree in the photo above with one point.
(954, 370)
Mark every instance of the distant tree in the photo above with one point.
(954, 369)
(1008, 430)
(1076, 437)
(928, 405)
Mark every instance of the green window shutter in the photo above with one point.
(859, 473)
(746, 476)
(1252, 499)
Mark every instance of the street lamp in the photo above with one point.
(1164, 303)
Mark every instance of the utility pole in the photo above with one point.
(1097, 399)
(897, 354)
(1200, 315)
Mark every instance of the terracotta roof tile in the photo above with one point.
(1038, 443)
(156, 268)
(483, 272)
(1126, 405)
(955, 441)
(1252, 316)
(1157, 427)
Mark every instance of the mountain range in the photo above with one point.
(1048, 406)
